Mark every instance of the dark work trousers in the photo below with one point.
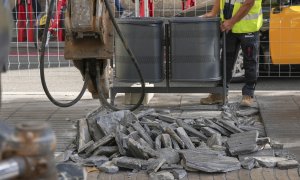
(249, 42)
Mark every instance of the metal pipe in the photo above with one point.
(11, 168)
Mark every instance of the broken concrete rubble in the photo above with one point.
(156, 142)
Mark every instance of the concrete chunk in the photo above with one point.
(211, 124)
(100, 142)
(131, 163)
(155, 165)
(109, 122)
(166, 140)
(248, 163)
(269, 162)
(109, 167)
(137, 126)
(289, 164)
(249, 111)
(171, 155)
(229, 125)
(215, 139)
(171, 166)
(139, 151)
(85, 146)
(162, 175)
(261, 153)
(106, 150)
(209, 162)
(185, 138)
(243, 143)
(191, 130)
(158, 142)
(173, 134)
(83, 135)
(179, 173)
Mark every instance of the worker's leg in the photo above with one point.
(250, 47)
(232, 46)
(232, 49)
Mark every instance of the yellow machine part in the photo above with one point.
(285, 35)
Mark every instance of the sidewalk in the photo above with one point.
(24, 100)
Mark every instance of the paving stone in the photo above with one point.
(179, 173)
(209, 162)
(289, 164)
(215, 139)
(171, 155)
(108, 167)
(162, 175)
(185, 138)
(243, 143)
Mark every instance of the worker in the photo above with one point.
(241, 20)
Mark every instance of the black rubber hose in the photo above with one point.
(42, 66)
(101, 96)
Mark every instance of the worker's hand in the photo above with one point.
(208, 15)
(227, 25)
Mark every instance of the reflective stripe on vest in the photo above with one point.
(252, 22)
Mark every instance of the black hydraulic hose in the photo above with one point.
(42, 67)
(101, 96)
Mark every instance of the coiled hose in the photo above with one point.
(102, 99)
(42, 67)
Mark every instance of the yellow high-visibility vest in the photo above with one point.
(252, 22)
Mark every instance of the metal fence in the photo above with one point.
(25, 44)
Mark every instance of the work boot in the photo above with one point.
(212, 99)
(246, 101)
